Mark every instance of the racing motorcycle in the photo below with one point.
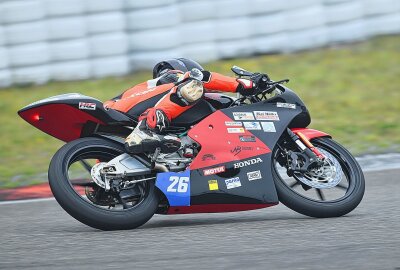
(224, 154)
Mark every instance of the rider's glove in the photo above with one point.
(256, 84)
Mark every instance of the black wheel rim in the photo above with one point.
(77, 173)
(338, 193)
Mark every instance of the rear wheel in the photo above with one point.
(332, 190)
(74, 189)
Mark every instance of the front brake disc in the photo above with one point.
(326, 176)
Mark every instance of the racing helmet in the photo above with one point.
(182, 64)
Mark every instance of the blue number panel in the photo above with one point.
(175, 186)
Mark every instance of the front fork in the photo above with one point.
(309, 156)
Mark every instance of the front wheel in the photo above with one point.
(333, 190)
(74, 189)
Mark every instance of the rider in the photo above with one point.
(177, 85)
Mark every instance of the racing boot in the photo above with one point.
(144, 140)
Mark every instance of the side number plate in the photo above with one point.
(175, 186)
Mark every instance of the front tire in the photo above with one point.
(82, 209)
(299, 201)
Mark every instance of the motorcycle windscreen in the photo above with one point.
(62, 121)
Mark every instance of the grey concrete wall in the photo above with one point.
(43, 40)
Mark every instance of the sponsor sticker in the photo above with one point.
(235, 130)
(266, 115)
(208, 157)
(268, 126)
(215, 170)
(213, 184)
(246, 163)
(239, 149)
(244, 138)
(233, 183)
(243, 116)
(286, 105)
(233, 124)
(255, 175)
(252, 125)
(87, 106)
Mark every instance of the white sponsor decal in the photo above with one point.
(252, 125)
(233, 183)
(215, 170)
(233, 124)
(268, 126)
(286, 105)
(266, 115)
(247, 163)
(243, 116)
(87, 106)
(247, 138)
(255, 175)
(235, 130)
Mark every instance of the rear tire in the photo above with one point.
(83, 210)
(325, 209)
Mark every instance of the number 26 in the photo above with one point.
(179, 184)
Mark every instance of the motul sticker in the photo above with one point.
(268, 126)
(215, 170)
(266, 115)
(252, 125)
(286, 105)
(255, 175)
(243, 116)
(213, 185)
(233, 124)
(235, 130)
(87, 106)
(233, 183)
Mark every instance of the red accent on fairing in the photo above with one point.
(211, 133)
(310, 133)
(61, 121)
(215, 208)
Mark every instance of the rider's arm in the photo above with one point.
(219, 82)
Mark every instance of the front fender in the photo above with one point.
(310, 133)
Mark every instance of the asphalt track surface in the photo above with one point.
(40, 235)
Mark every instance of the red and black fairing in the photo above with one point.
(71, 116)
(220, 149)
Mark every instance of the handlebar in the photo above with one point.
(262, 81)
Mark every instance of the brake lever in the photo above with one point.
(279, 82)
